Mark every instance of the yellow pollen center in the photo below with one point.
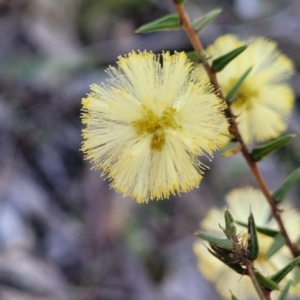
(150, 123)
(244, 94)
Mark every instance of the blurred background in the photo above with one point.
(63, 233)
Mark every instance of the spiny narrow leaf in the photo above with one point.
(264, 230)
(229, 255)
(280, 193)
(277, 244)
(277, 277)
(266, 282)
(222, 243)
(296, 276)
(253, 247)
(229, 223)
(200, 23)
(168, 22)
(284, 292)
(233, 297)
(221, 62)
(228, 258)
(232, 93)
(262, 151)
(231, 149)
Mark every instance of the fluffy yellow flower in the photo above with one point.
(239, 202)
(146, 128)
(264, 101)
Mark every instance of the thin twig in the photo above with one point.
(255, 282)
(193, 37)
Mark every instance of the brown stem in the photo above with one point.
(267, 294)
(193, 37)
(275, 212)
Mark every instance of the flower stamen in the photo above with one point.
(152, 124)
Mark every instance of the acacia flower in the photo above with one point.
(147, 126)
(238, 203)
(264, 101)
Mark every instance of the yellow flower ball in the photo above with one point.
(264, 101)
(146, 128)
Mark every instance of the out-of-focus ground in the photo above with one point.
(63, 233)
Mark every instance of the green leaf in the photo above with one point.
(233, 297)
(200, 23)
(296, 276)
(180, 1)
(221, 62)
(253, 247)
(280, 193)
(264, 230)
(232, 93)
(266, 282)
(277, 277)
(231, 149)
(277, 244)
(227, 257)
(222, 243)
(168, 22)
(192, 56)
(229, 223)
(262, 151)
(284, 292)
